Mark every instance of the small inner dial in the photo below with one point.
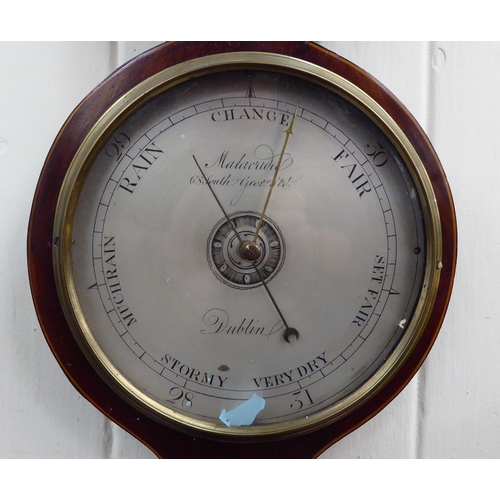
(224, 255)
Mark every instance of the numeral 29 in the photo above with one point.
(114, 147)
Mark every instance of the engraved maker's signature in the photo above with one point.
(247, 170)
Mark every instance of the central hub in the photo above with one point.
(239, 262)
(250, 251)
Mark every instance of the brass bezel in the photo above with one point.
(116, 114)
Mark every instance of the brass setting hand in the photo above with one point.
(288, 132)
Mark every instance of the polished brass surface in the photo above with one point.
(250, 251)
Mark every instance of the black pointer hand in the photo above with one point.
(289, 332)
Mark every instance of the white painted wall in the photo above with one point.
(450, 410)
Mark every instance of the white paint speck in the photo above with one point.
(402, 323)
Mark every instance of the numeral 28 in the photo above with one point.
(178, 395)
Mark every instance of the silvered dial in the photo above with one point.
(168, 305)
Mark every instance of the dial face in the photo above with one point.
(182, 323)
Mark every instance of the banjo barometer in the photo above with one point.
(241, 249)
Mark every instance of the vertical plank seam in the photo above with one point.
(431, 90)
(430, 101)
(115, 51)
(108, 441)
(121, 53)
(114, 55)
